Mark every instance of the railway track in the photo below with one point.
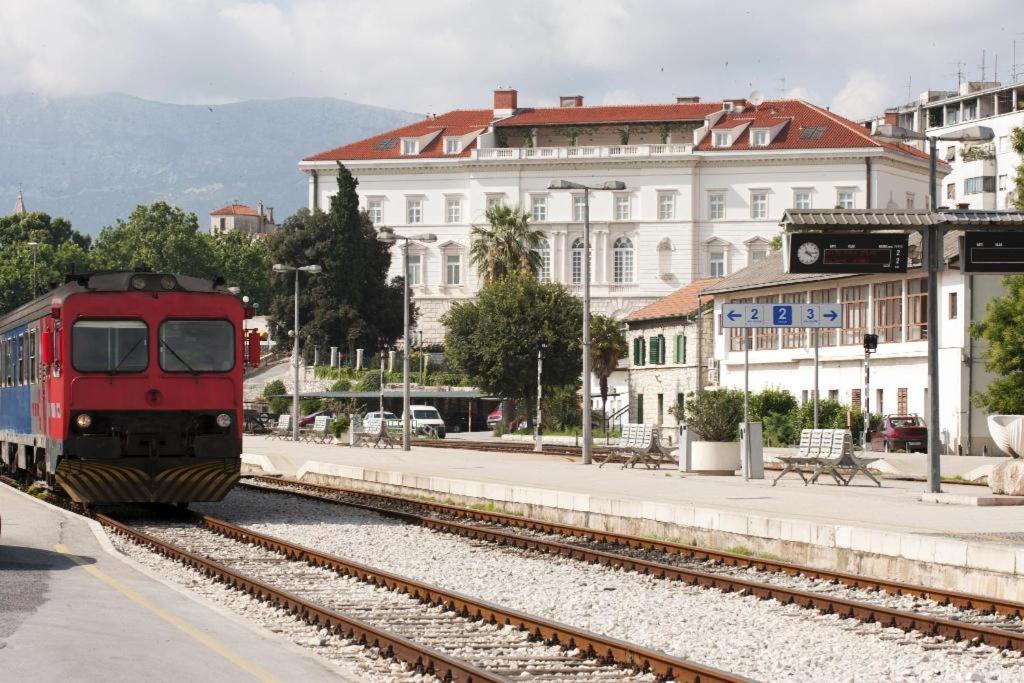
(452, 636)
(935, 612)
(505, 447)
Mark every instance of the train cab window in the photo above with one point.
(197, 346)
(33, 356)
(22, 375)
(110, 346)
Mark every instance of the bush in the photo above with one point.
(771, 402)
(715, 415)
(275, 389)
(309, 405)
(369, 383)
(339, 426)
(782, 429)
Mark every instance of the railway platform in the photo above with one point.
(73, 609)
(886, 532)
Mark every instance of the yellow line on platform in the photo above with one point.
(188, 629)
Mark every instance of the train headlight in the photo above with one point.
(84, 421)
(138, 282)
(168, 282)
(223, 420)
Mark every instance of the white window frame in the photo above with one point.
(757, 198)
(416, 281)
(623, 260)
(494, 199)
(413, 204)
(721, 138)
(544, 252)
(716, 205)
(538, 208)
(718, 249)
(852, 192)
(756, 245)
(452, 145)
(1004, 143)
(576, 277)
(579, 207)
(760, 138)
(1001, 182)
(410, 146)
(809, 193)
(375, 209)
(452, 259)
(452, 217)
(666, 198)
(911, 200)
(620, 201)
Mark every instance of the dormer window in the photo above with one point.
(410, 146)
(722, 139)
(759, 138)
(727, 106)
(452, 145)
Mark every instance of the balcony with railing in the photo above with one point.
(577, 153)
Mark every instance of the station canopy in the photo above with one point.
(900, 219)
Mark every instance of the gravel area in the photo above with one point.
(353, 661)
(761, 639)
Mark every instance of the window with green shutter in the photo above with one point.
(640, 408)
(677, 349)
(639, 351)
(680, 402)
(661, 349)
(653, 349)
(683, 361)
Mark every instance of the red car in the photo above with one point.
(900, 433)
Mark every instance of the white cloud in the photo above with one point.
(864, 94)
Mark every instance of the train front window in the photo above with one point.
(197, 346)
(110, 346)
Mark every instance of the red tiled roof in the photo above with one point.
(623, 113)
(389, 145)
(235, 210)
(679, 303)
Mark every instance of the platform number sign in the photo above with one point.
(782, 315)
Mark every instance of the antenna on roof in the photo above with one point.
(782, 85)
(756, 98)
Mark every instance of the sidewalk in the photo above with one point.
(858, 527)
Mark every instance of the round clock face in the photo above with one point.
(808, 253)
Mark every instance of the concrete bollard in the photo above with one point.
(685, 452)
(334, 356)
(359, 359)
(391, 360)
(752, 453)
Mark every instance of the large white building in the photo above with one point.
(982, 174)
(706, 185)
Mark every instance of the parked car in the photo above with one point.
(426, 419)
(494, 417)
(900, 433)
(308, 420)
(377, 415)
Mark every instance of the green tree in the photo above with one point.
(494, 339)
(159, 236)
(607, 345)
(1002, 330)
(243, 261)
(350, 304)
(272, 392)
(507, 244)
(1017, 142)
(61, 250)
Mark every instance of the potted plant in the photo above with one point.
(713, 418)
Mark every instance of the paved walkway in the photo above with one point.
(72, 611)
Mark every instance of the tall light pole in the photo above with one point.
(387, 236)
(34, 246)
(932, 256)
(282, 268)
(611, 185)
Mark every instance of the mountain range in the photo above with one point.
(92, 159)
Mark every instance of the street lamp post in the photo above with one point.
(281, 268)
(388, 236)
(612, 185)
(538, 430)
(34, 246)
(932, 254)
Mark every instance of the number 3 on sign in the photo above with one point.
(811, 316)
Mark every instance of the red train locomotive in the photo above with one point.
(126, 387)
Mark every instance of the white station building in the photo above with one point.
(706, 185)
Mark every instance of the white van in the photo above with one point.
(427, 416)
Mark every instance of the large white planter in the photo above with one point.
(715, 457)
(1008, 433)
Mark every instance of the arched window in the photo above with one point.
(577, 261)
(622, 260)
(544, 267)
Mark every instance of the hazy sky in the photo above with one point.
(431, 56)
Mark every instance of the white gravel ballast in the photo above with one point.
(758, 638)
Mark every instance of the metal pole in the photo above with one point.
(537, 445)
(867, 398)
(816, 345)
(587, 445)
(933, 252)
(295, 358)
(406, 418)
(746, 403)
(382, 382)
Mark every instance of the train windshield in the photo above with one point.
(109, 346)
(197, 346)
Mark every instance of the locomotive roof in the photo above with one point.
(115, 281)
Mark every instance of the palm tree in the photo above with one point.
(607, 346)
(506, 245)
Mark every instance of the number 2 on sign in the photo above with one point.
(753, 313)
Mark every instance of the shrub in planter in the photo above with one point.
(339, 426)
(714, 415)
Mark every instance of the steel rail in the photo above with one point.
(422, 658)
(908, 621)
(602, 647)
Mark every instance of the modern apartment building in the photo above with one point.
(981, 175)
(706, 184)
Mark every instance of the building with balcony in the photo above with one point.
(706, 184)
(981, 175)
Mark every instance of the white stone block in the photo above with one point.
(260, 462)
(844, 536)
(991, 557)
(951, 552)
(733, 523)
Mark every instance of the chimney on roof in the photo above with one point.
(505, 102)
(963, 207)
(688, 99)
(570, 101)
(891, 117)
(270, 215)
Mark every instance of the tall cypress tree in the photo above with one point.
(351, 304)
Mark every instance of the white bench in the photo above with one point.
(826, 450)
(639, 444)
(319, 433)
(378, 433)
(283, 428)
